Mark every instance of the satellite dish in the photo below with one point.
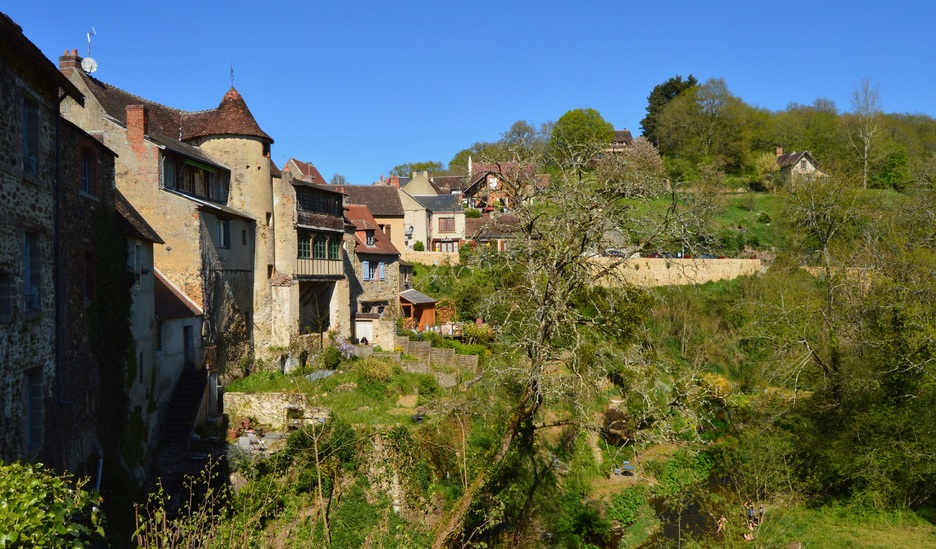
(88, 65)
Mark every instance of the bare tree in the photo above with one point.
(864, 122)
(561, 330)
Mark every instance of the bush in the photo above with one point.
(472, 213)
(331, 358)
(41, 509)
(419, 246)
(626, 505)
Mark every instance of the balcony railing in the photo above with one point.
(319, 267)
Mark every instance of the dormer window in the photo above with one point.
(369, 239)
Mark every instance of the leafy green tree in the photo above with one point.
(41, 509)
(578, 136)
(657, 100)
(406, 170)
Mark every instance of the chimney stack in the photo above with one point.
(69, 62)
(137, 124)
(393, 181)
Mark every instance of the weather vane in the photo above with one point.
(232, 75)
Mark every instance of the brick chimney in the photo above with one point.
(69, 62)
(393, 181)
(137, 124)
(779, 152)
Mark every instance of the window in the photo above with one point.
(34, 409)
(169, 173)
(138, 264)
(32, 271)
(369, 238)
(373, 270)
(386, 230)
(89, 172)
(224, 233)
(318, 247)
(304, 246)
(6, 297)
(90, 276)
(334, 247)
(31, 136)
(802, 165)
(446, 224)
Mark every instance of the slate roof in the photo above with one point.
(132, 223)
(440, 203)
(213, 206)
(416, 297)
(792, 158)
(361, 218)
(170, 301)
(231, 117)
(382, 201)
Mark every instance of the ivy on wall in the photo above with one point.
(109, 324)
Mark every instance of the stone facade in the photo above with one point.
(277, 411)
(216, 253)
(308, 294)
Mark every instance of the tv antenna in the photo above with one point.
(89, 65)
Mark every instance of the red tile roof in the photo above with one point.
(232, 117)
(307, 172)
(361, 218)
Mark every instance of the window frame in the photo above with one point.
(90, 181)
(334, 248)
(224, 233)
(32, 140)
(446, 224)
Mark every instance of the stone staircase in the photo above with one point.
(183, 408)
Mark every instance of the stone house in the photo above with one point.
(374, 279)
(310, 284)
(203, 180)
(49, 383)
(797, 165)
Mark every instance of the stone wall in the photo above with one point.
(430, 258)
(449, 368)
(273, 411)
(652, 272)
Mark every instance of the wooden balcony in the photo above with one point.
(330, 268)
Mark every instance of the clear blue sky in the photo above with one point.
(357, 87)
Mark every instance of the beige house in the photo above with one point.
(203, 180)
(434, 218)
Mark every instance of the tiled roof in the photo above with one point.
(232, 117)
(440, 203)
(132, 223)
(448, 183)
(500, 226)
(186, 150)
(792, 158)
(416, 297)
(170, 301)
(361, 218)
(213, 206)
(382, 201)
(307, 172)
(274, 170)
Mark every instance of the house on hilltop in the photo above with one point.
(797, 165)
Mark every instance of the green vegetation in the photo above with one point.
(42, 509)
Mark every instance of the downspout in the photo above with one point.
(100, 470)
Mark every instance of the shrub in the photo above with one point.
(374, 369)
(472, 213)
(331, 358)
(626, 505)
(419, 246)
(41, 509)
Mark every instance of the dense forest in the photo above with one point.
(794, 406)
